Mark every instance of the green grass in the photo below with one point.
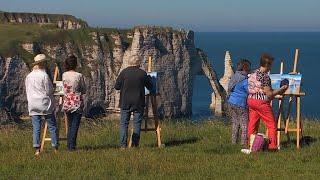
(54, 18)
(193, 151)
(13, 35)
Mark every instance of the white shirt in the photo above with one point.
(39, 93)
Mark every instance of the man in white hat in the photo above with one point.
(40, 102)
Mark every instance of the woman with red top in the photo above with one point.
(260, 95)
(74, 89)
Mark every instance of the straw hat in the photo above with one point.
(39, 59)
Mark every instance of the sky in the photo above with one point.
(197, 15)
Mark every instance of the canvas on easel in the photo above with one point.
(294, 82)
(153, 76)
(58, 90)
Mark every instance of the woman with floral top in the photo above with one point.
(260, 95)
(74, 89)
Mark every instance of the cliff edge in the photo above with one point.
(102, 54)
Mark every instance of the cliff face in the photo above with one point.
(173, 53)
(218, 96)
(61, 21)
(102, 54)
(13, 102)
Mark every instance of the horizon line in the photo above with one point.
(307, 31)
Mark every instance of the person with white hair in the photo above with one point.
(39, 90)
(131, 83)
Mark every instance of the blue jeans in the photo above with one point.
(73, 126)
(124, 122)
(52, 126)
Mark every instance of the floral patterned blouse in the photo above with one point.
(257, 81)
(74, 88)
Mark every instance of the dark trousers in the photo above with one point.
(124, 122)
(239, 118)
(73, 126)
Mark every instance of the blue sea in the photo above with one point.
(250, 45)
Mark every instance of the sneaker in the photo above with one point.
(134, 145)
(123, 148)
(246, 151)
(37, 153)
(55, 150)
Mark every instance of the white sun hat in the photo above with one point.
(39, 58)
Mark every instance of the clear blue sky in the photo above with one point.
(198, 15)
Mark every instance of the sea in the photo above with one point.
(250, 45)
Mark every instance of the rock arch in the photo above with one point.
(218, 97)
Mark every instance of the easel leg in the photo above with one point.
(44, 136)
(156, 120)
(44, 139)
(66, 125)
(150, 99)
(288, 115)
(298, 122)
(158, 133)
(130, 138)
(146, 114)
(279, 123)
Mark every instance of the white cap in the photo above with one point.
(39, 58)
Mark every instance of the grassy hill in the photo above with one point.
(54, 18)
(193, 151)
(12, 35)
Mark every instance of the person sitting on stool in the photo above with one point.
(131, 83)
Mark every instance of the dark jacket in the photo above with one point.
(131, 83)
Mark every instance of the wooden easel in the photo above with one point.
(150, 99)
(44, 138)
(286, 119)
